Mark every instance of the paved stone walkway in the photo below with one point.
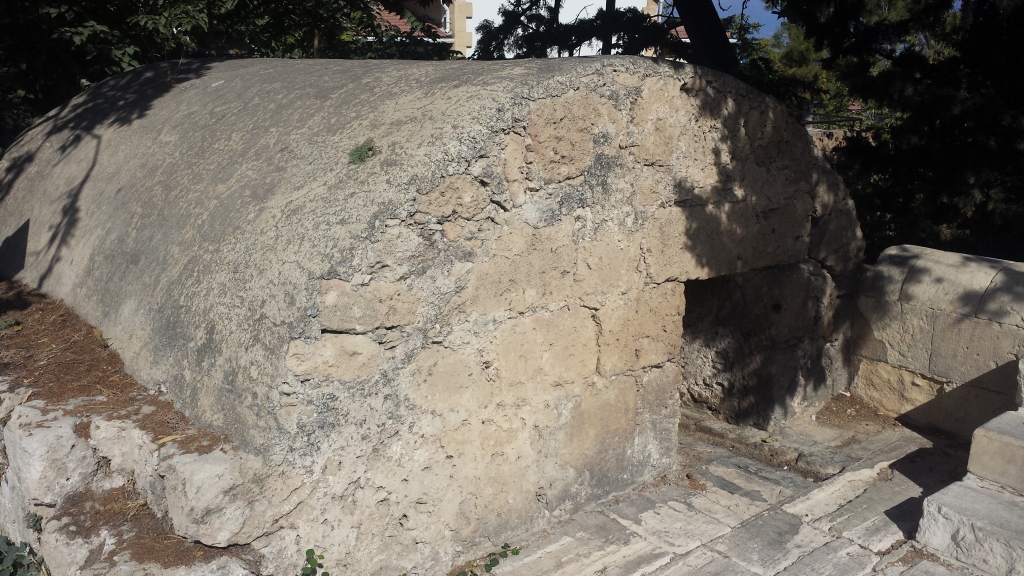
(732, 516)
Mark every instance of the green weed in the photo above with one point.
(312, 565)
(363, 152)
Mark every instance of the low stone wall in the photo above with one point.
(939, 337)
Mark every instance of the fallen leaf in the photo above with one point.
(167, 439)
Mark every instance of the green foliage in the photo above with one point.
(50, 51)
(34, 522)
(945, 167)
(490, 562)
(533, 29)
(362, 152)
(18, 560)
(312, 565)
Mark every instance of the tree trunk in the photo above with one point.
(711, 47)
(606, 40)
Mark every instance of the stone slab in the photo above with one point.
(1004, 300)
(769, 543)
(836, 492)
(675, 526)
(703, 562)
(929, 568)
(978, 523)
(997, 451)
(896, 333)
(965, 348)
(837, 558)
(588, 543)
(884, 280)
(948, 281)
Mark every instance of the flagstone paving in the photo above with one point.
(726, 515)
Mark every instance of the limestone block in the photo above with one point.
(978, 523)
(900, 334)
(948, 281)
(528, 267)
(361, 309)
(642, 329)
(457, 196)
(1004, 299)
(12, 400)
(997, 450)
(704, 241)
(518, 168)
(966, 348)
(131, 452)
(67, 554)
(884, 280)
(600, 435)
(836, 240)
(894, 390)
(227, 497)
(46, 460)
(964, 408)
(658, 417)
(557, 347)
(562, 130)
(343, 357)
(608, 265)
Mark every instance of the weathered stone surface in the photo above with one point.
(895, 333)
(459, 388)
(948, 281)
(642, 330)
(46, 461)
(455, 197)
(894, 390)
(49, 460)
(131, 454)
(341, 357)
(837, 558)
(770, 543)
(965, 348)
(978, 523)
(884, 281)
(1003, 300)
(997, 451)
(361, 309)
(224, 498)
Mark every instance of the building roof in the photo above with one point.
(404, 27)
(680, 32)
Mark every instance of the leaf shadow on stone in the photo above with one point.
(116, 102)
(763, 314)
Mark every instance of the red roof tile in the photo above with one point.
(404, 27)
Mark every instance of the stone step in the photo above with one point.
(977, 522)
(997, 450)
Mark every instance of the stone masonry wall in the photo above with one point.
(940, 337)
(471, 334)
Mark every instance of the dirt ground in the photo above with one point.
(854, 414)
(47, 348)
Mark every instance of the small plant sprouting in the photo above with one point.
(363, 152)
(312, 564)
(493, 559)
(34, 522)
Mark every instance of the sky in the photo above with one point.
(488, 10)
